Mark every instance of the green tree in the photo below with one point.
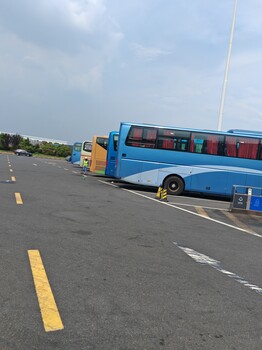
(15, 141)
(48, 148)
(5, 141)
(63, 150)
(25, 143)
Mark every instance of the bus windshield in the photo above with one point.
(76, 151)
(86, 150)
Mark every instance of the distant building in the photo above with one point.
(37, 140)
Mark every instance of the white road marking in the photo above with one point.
(185, 210)
(34, 164)
(109, 184)
(206, 260)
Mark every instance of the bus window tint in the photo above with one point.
(207, 144)
(259, 151)
(87, 146)
(103, 142)
(247, 148)
(173, 140)
(141, 137)
(231, 146)
(77, 147)
(197, 143)
(241, 147)
(115, 142)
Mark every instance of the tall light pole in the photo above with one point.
(226, 71)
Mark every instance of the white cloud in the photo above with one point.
(67, 25)
(148, 53)
(144, 60)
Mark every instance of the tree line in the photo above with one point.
(12, 142)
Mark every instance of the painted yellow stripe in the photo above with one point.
(238, 222)
(201, 211)
(18, 198)
(13, 178)
(48, 308)
(256, 217)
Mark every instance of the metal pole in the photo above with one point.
(226, 71)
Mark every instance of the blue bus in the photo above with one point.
(76, 151)
(245, 132)
(181, 159)
(111, 153)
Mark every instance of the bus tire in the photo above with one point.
(174, 185)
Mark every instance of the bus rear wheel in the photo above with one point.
(174, 185)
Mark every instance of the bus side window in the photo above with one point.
(204, 147)
(183, 145)
(221, 148)
(259, 151)
(231, 146)
(134, 137)
(212, 144)
(149, 138)
(196, 143)
(247, 148)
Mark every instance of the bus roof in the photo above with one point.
(248, 133)
(245, 132)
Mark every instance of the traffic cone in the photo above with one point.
(158, 194)
(163, 195)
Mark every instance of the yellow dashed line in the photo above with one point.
(18, 198)
(201, 211)
(48, 308)
(237, 222)
(13, 178)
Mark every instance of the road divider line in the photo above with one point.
(13, 178)
(185, 210)
(11, 170)
(18, 198)
(206, 260)
(49, 311)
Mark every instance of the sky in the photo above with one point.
(71, 69)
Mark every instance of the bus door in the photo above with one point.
(111, 154)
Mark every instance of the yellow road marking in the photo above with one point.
(238, 222)
(50, 314)
(256, 217)
(13, 178)
(201, 211)
(18, 198)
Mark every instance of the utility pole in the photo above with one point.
(220, 118)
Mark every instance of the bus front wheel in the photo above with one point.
(174, 185)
